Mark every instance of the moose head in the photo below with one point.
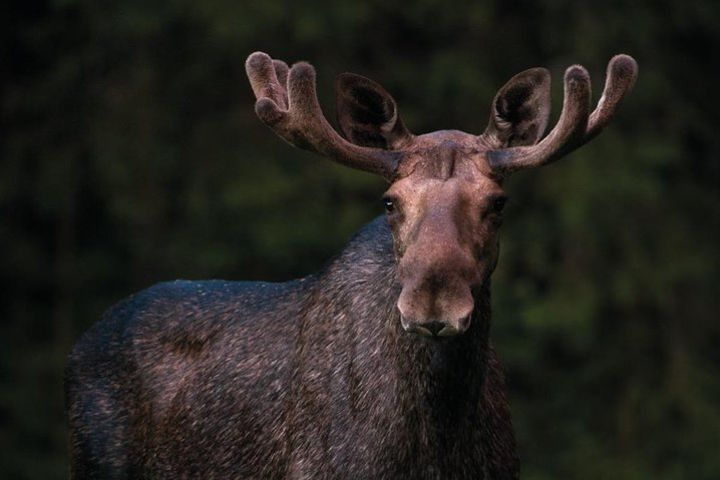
(445, 199)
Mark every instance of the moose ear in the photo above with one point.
(367, 113)
(520, 110)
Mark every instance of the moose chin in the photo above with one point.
(377, 367)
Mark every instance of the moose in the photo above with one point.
(377, 367)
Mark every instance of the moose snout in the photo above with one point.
(423, 317)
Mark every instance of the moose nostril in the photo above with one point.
(434, 327)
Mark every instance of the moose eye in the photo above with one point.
(389, 205)
(498, 204)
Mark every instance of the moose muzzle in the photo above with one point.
(444, 313)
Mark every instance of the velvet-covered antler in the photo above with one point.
(287, 103)
(576, 125)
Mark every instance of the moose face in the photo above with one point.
(444, 216)
(444, 204)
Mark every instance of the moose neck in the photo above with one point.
(439, 379)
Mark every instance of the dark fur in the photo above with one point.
(313, 378)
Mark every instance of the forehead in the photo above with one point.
(449, 162)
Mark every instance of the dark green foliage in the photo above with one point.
(130, 154)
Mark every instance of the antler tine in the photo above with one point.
(287, 103)
(620, 78)
(575, 127)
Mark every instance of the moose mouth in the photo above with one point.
(436, 329)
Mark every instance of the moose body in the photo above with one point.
(293, 380)
(377, 367)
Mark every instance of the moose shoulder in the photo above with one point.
(379, 366)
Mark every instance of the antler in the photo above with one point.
(575, 127)
(287, 103)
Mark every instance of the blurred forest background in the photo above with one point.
(130, 154)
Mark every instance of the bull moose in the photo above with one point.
(377, 367)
